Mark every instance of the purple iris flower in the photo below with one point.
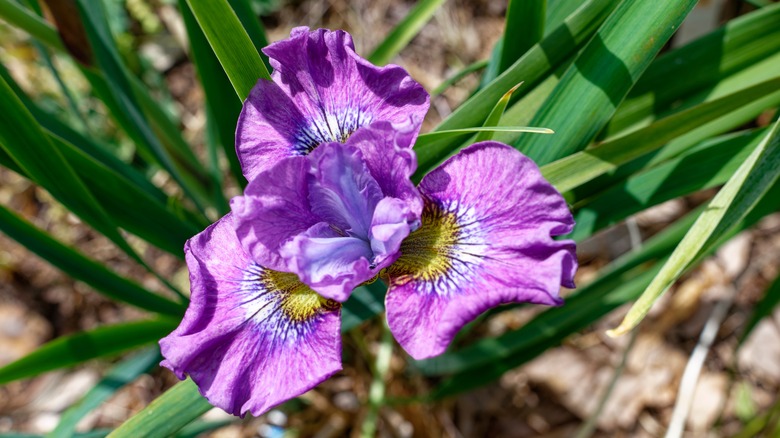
(486, 239)
(327, 149)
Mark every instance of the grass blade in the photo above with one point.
(23, 18)
(118, 376)
(524, 27)
(224, 106)
(82, 268)
(540, 61)
(602, 75)
(67, 351)
(423, 140)
(699, 65)
(231, 43)
(115, 84)
(578, 168)
(400, 36)
(450, 81)
(707, 165)
(750, 182)
(168, 413)
(252, 25)
(495, 116)
(28, 146)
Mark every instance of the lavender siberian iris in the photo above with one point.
(327, 150)
(254, 335)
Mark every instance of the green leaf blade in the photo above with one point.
(400, 36)
(524, 27)
(231, 43)
(67, 351)
(82, 268)
(601, 76)
(117, 377)
(748, 184)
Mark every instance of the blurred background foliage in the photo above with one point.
(117, 120)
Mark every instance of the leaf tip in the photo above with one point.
(620, 330)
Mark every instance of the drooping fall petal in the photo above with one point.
(252, 337)
(486, 239)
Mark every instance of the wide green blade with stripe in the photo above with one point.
(601, 76)
(531, 69)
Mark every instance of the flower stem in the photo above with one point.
(376, 394)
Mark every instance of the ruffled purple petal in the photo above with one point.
(273, 210)
(322, 91)
(332, 264)
(251, 338)
(387, 151)
(485, 240)
(342, 192)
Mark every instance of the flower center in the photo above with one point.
(427, 253)
(329, 128)
(297, 301)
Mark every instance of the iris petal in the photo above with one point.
(322, 91)
(486, 239)
(252, 337)
(273, 210)
(331, 263)
(342, 191)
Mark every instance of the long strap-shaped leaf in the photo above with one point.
(119, 87)
(16, 14)
(231, 44)
(524, 27)
(35, 155)
(67, 351)
(223, 104)
(706, 165)
(168, 413)
(592, 88)
(531, 69)
(740, 43)
(740, 194)
(578, 168)
(82, 268)
(117, 377)
(400, 36)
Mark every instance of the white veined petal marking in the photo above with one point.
(329, 127)
(279, 303)
(445, 253)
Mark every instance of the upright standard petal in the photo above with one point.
(252, 337)
(327, 218)
(387, 152)
(486, 239)
(321, 92)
